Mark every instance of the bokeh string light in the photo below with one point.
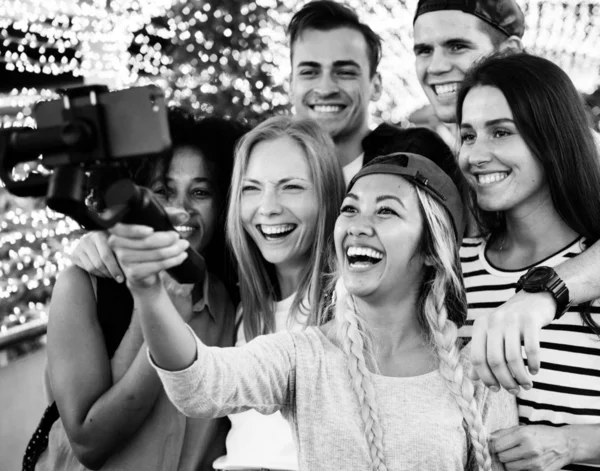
(226, 56)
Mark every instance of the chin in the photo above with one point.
(357, 288)
(446, 113)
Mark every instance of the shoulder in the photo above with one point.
(73, 285)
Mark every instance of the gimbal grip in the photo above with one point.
(144, 209)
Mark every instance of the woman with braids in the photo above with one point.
(383, 384)
(528, 153)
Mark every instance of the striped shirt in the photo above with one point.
(567, 388)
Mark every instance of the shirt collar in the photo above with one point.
(210, 299)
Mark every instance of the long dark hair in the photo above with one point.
(550, 116)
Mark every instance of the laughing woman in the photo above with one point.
(286, 191)
(383, 384)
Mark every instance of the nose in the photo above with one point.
(326, 85)
(269, 203)
(439, 63)
(179, 209)
(361, 226)
(477, 153)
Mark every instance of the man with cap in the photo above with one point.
(450, 35)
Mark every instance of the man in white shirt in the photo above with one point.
(334, 75)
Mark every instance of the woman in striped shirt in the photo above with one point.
(529, 156)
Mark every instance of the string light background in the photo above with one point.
(227, 56)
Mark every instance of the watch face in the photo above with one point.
(540, 275)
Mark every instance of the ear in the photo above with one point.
(428, 262)
(513, 43)
(376, 87)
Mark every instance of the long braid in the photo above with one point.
(445, 332)
(353, 341)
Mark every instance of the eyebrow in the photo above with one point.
(194, 180)
(340, 63)
(379, 198)
(491, 122)
(448, 42)
(283, 180)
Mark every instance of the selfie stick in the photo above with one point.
(76, 146)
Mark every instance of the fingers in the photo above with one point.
(145, 273)
(479, 351)
(496, 352)
(94, 255)
(154, 250)
(518, 375)
(83, 261)
(143, 253)
(106, 258)
(506, 439)
(531, 339)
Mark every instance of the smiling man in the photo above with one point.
(450, 35)
(334, 75)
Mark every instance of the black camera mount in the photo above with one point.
(79, 144)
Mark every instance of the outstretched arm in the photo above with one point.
(201, 381)
(496, 345)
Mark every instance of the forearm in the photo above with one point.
(119, 413)
(128, 349)
(581, 274)
(169, 340)
(584, 441)
(226, 381)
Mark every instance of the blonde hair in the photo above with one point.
(442, 309)
(258, 283)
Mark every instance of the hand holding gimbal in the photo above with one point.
(90, 128)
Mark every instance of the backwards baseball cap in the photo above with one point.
(424, 173)
(504, 15)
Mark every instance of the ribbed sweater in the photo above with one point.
(304, 375)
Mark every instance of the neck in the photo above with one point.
(348, 148)
(288, 277)
(394, 325)
(538, 231)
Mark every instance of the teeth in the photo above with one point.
(184, 228)
(270, 230)
(364, 251)
(445, 89)
(488, 178)
(328, 108)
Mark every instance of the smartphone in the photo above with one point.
(134, 120)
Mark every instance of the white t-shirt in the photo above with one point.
(352, 168)
(256, 440)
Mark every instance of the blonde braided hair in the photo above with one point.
(444, 332)
(443, 291)
(355, 341)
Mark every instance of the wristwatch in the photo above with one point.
(539, 279)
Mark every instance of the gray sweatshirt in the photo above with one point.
(304, 375)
